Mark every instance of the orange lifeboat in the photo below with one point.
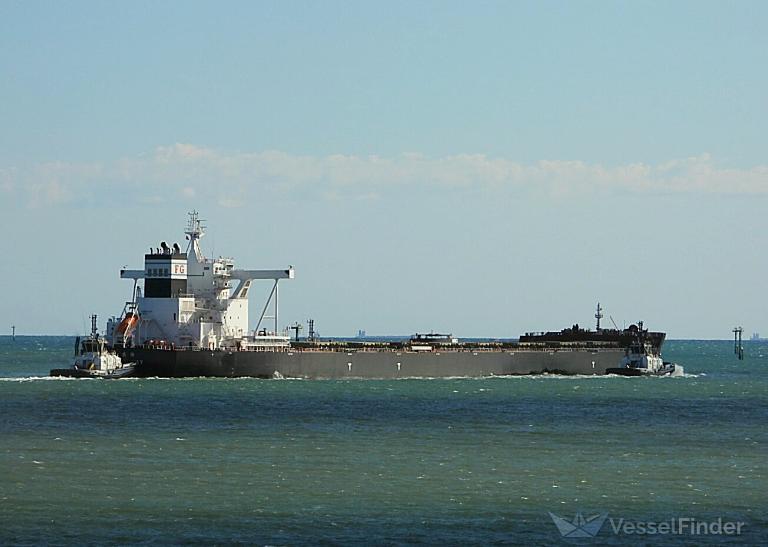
(128, 322)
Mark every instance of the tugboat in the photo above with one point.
(642, 359)
(94, 359)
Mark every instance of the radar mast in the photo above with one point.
(195, 230)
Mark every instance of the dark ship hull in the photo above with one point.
(377, 364)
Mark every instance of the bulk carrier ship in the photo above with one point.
(189, 317)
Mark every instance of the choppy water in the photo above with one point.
(396, 462)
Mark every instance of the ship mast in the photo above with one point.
(195, 230)
(599, 315)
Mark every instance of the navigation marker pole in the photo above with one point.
(13, 332)
(738, 349)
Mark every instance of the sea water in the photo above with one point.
(456, 461)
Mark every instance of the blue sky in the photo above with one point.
(484, 168)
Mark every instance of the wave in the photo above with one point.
(543, 377)
(42, 378)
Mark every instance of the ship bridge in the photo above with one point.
(189, 298)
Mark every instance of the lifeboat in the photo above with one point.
(127, 324)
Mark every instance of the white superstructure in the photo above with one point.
(192, 301)
(641, 356)
(95, 358)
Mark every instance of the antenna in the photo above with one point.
(599, 315)
(311, 329)
(296, 327)
(195, 230)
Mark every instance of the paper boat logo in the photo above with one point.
(579, 527)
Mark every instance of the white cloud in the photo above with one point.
(196, 172)
(231, 203)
